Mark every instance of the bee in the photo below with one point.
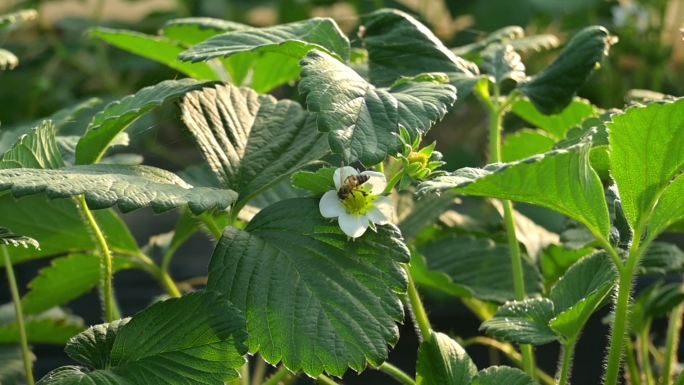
(351, 184)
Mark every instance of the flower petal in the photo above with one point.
(330, 205)
(353, 225)
(341, 174)
(377, 182)
(382, 212)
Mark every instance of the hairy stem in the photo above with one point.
(278, 376)
(632, 367)
(496, 113)
(418, 310)
(19, 314)
(396, 373)
(566, 363)
(643, 342)
(111, 312)
(674, 327)
(622, 304)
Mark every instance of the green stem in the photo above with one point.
(278, 376)
(111, 313)
(418, 310)
(259, 371)
(680, 379)
(244, 374)
(496, 113)
(644, 337)
(325, 380)
(396, 373)
(212, 226)
(632, 367)
(396, 178)
(566, 366)
(19, 314)
(622, 304)
(672, 344)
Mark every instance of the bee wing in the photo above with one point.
(341, 174)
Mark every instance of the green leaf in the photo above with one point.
(560, 180)
(424, 213)
(502, 375)
(557, 124)
(442, 361)
(8, 238)
(523, 322)
(198, 338)
(127, 187)
(59, 226)
(193, 30)
(363, 120)
(399, 45)
(553, 89)
(156, 48)
(12, 365)
(8, 60)
(502, 63)
(662, 258)
(16, 18)
(524, 144)
(118, 115)
(317, 182)
(54, 326)
(580, 292)
(290, 40)
(37, 149)
(298, 278)
(646, 163)
(65, 279)
(535, 43)
(250, 141)
(555, 260)
(479, 265)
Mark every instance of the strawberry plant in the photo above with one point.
(330, 212)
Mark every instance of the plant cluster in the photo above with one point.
(331, 212)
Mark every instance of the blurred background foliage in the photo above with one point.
(60, 66)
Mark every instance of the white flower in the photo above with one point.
(362, 207)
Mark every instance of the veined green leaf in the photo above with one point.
(317, 183)
(198, 338)
(59, 226)
(299, 278)
(156, 48)
(524, 144)
(65, 279)
(479, 265)
(578, 294)
(557, 124)
(442, 361)
(8, 238)
(193, 30)
(523, 322)
(293, 40)
(555, 260)
(363, 120)
(502, 375)
(662, 258)
(536, 43)
(251, 142)
(560, 180)
(118, 115)
(128, 187)
(12, 364)
(8, 60)
(553, 89)
(502, 63)
(647, 160)
(399, 45)
(424, 213)
(54, 326)
(37, 149)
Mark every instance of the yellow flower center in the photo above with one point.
(417, 157)
(358, 202)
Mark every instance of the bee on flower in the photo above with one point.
(357, 201)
